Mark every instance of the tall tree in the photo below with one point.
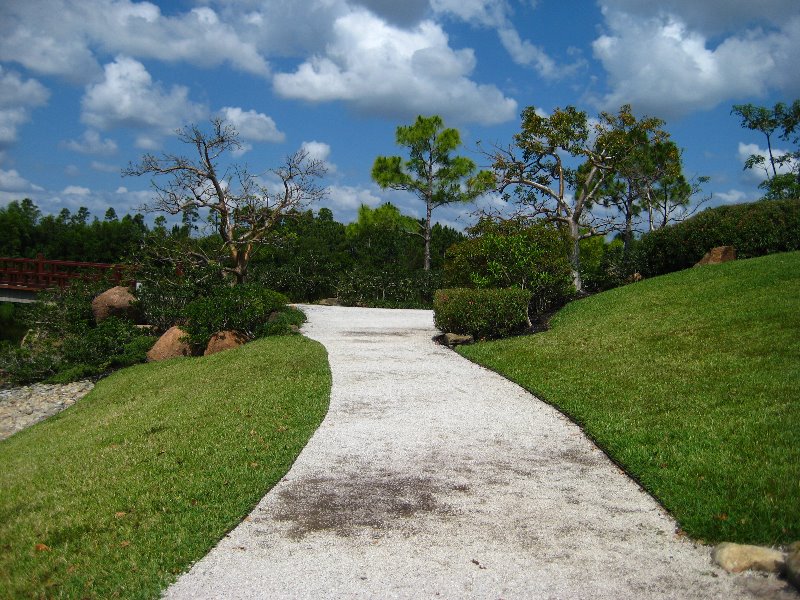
(432, 173)
(785, 120)
(242, 209)
(644, 156)
(559, 167)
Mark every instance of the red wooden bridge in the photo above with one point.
(22, 278)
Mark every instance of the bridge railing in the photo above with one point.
(37, 274)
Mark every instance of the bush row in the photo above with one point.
(482, 313)
(754, 229)
(388, 288)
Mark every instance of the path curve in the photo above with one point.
(432, 477)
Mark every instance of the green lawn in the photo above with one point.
(117, 495)
(691, 382)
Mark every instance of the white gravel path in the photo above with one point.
(432, 477)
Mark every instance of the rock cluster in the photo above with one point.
(21, 407)
(736, 558)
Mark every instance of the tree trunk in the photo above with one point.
(428, 211)
(575, 256)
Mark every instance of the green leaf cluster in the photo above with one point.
(482, 313)
(513, 254)
(245, 308)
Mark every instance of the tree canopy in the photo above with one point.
(431, 172)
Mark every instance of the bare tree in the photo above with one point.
(242, 207)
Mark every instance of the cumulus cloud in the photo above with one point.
(252, 125)
(710, 16)
(759, 173)
(76, 190)
(127, 96)
(733, 197)
(58, 37)
(12, 181)
(17, 97)
(104, 167)
(497, 14)
(663, 66)
(319, 151)
(382, 69)
(91, 143)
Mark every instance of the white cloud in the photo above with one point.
(59, 37)
(665, 67)
(128, 97)
(319, 151)
(379, 68)
(711, 16)
(733, 197)
(759, 173)
(12, 181)
(498, 15)
(104, 167)
(76, 190)
(17, 98)
(91, 143)
(252, 125)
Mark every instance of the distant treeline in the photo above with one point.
(305, 257)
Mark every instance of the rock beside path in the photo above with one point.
(736, 558)
(21, 407)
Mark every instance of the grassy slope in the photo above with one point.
(143, 476)
(691, 381)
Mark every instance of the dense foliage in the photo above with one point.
(245, 308)
(754, 229)
(68, 236)
(512, 254)
(65, 343)
(482, 313)
(388, 288)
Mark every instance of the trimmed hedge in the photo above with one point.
(511, 254)
(754, 229)
(388, 288)
(244, 308)
(482, 313)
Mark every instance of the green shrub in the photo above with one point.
(97, 346)
(512, 254)
(21, 366)
(754, 229)
(284, 321)
(482, 313)
(74, 373)
(244, 308)
(133, 351)
(388, 288)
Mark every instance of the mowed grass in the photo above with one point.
(117, 495)
(691, 382)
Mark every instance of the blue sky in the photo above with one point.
(87, 86)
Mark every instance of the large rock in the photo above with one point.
(329, 302)
(735, 558)
(718, 255)
(116, 302)
(456, 339)
(792, 568)
(224, 340)
(170, 345)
